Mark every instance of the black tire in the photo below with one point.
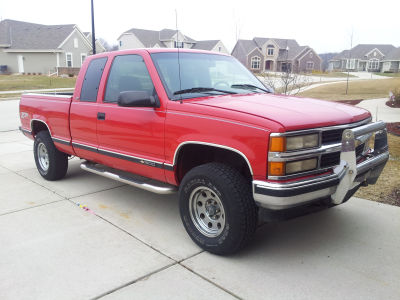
(56, 165)
(217, 183)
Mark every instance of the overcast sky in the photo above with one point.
(324, 25)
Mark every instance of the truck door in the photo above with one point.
(131, 138)
(83, 113)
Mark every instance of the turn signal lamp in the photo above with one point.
(277, 144)
(276, 168)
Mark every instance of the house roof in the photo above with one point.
(282, 43)
(393, 55)
(361, 50)
(166, 34)
(243, 48)
(149, 38)
(205, 45)
(4, 33)
(293, 52)
(24, 35)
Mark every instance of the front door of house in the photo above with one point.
(268, 65)
(20, 59)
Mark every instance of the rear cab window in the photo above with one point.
(91, 82)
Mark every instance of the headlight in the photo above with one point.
(301, 141)
(290, 143)
(301, 166)
(281, 168)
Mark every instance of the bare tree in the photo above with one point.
(107, 45)
(286, 83)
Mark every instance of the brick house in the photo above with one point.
(279, 55)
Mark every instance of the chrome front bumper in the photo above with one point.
(345, 177)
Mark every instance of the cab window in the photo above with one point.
(91, 82)
(128, 73)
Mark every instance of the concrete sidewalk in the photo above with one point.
(131, 244)
(380, 111)
(9, 115)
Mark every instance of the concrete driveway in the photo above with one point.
(131, 244)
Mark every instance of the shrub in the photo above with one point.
(396, 96)
(394, 100)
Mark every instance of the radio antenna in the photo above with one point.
(177, 46)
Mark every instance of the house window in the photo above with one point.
(75, 43)
(255, 62)
(68, 57)
(120, 43)
(219, 49)
(310, 65)
(178, 44)
(311, 55)
(270, 50)
(83, 57)
(373, 64)
(350, 63)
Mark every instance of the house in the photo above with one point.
(211, 45)
(42, 49)
(391, 62)
(363, 57)
(165, 38)
(99, 46)
(279, 55)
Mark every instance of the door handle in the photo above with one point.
(101, 116)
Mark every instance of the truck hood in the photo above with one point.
(293, 113)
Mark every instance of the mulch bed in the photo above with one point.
(394, 197)
(393, 128)
(394, 104)
(351, 102)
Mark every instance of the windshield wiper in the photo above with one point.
(202, 90)
(249, 87)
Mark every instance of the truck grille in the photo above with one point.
(333, 159)
(332, 136)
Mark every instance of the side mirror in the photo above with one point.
(136, 99)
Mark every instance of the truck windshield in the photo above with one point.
(199, 74)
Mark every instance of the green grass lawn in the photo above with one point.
(362, 89)
(388, 74)
(30, 82)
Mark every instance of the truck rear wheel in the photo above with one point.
(217, 208)
(50, 162)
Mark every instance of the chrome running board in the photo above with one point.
(131, 179)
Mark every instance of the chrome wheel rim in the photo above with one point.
(207, 211)
(43, 157)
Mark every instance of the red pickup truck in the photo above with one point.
(199, 122)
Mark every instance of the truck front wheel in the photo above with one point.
(217, 208)
(50, 162)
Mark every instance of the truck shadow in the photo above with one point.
(319, 232)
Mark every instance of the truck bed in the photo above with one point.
(51, 110)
